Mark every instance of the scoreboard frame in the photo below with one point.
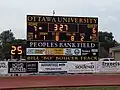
(64, 29)
(82, 28)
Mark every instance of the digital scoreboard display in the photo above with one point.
(60, 38)
(17, 50)
(59, 28)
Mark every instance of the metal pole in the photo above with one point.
(20, 57)
(11, 57)
(53, 12)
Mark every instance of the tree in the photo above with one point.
(19, 41)
(6, 37)
(107, 40)
(6, 51)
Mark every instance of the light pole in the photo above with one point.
(53, 12)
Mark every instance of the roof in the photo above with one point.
(116, 48)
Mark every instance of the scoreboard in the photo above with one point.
(62, 38)
(58, 28)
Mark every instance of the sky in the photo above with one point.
(13, 13)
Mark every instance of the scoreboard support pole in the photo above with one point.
(53, 12)
(11, 57)
(17, 59)
(20, 57)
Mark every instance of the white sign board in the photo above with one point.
(108, 66)
(3, 67)
(52, 67)
(81, 67)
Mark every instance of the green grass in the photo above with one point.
(79, 88)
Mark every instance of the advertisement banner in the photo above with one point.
(108, 66)
(62, 51)
(81, 67)
(3, 67)
(16, 67)
(52, 67)
(31, 67)
(35, 51)
(54, 51)
(72, 51)
(22, 67)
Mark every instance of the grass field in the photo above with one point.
(79, 88)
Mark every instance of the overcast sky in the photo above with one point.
(13, 13)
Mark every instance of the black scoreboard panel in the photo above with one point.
(62, 51)
(80, 31)
(53, 27)
(50, 38)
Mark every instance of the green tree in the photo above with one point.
(6, 50)
(107, 40)
(6, 37)
(19, 41)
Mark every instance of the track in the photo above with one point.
(61, 81)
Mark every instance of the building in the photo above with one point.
(115, 52)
